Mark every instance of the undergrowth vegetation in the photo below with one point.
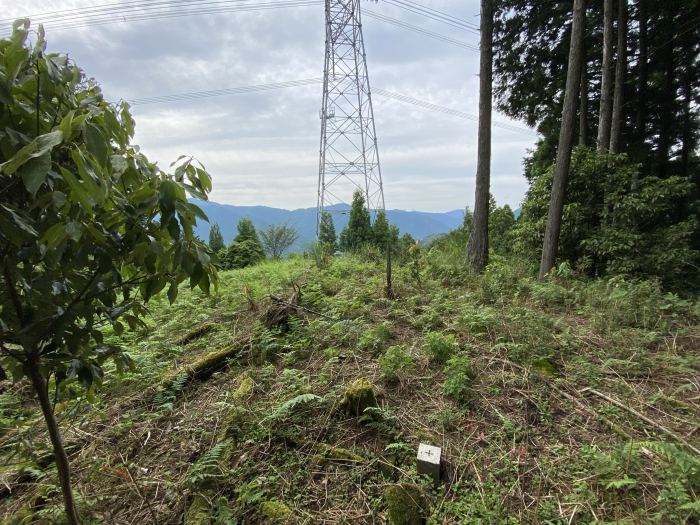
(298, 394)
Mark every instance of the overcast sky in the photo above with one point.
(262, 148)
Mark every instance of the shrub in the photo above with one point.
(242, 254)
(395, 364)
(459, 377)
(375, 338)
(439, 347)
(90, 230)
(616, 220)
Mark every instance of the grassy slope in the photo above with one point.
(526, 445)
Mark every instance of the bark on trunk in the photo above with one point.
(478, 245)
(583, 111)
(620, 72)
(689, 72)
(667, 109)
(607, 78)
(641, 116)
(61, 458)
(566, 136)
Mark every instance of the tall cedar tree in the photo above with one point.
(359, 229)
(566, 135)
(216, 240)
(381, 234)
(478, 245)
(246, 231)
(583, 103)
(326, 232)
(606, 89)
(616, 123)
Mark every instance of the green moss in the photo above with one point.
(328, 452)
(406, 504)
(244, 389)
(206, 365)
(234, 423)
(198, 512)
(275, 511)
(196, 333)
(358, 396)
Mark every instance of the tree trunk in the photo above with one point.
(566, 137)
(689, 72)
(641, 116)
(478, 245)
(62, 465)
(607, 78)
(389, 287)
(667, 110)
(583, 111)
(620, 71)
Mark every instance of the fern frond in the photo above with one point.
(208, 467)
(288, 406)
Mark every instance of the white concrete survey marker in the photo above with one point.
(428, 461)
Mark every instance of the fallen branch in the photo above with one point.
(641, 416)
(277, 299)
(611, 424)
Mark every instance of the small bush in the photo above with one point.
(395, 364)
(242, 254)
(459, 377)
(375, 338)
(439, 347)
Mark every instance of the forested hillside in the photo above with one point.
(420, 225)
(632, 197)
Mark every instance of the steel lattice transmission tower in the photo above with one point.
(349, 157)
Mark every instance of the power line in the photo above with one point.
(433, 15)
(121, 8)
(136, 15)
(416, 29)
(160, 9)
(195, 95)
(444, 109)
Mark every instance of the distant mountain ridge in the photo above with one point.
(418, 223)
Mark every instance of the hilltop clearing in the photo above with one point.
(568, 401)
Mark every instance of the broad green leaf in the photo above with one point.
(74, 230)
(54, 236)
(5, 92)
(34, 172)
(127, 120)
(53, 69)
(36, 148)
(21, 223)
(66, 125)
(172, 292)
(15, 59)
(119, 164)
(87, 177)
(96, 144)
(77, 190)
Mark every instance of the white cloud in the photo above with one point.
(262, 148)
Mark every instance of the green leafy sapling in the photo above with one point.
(90, 230)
